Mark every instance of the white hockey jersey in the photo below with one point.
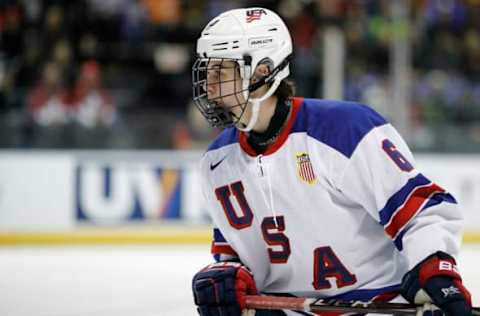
(334, 208)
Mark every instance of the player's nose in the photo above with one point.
(212, 90)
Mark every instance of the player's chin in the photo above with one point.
(240, 125)
(242, 122)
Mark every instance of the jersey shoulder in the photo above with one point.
(219, 147)
(227, 137)
(340, 125)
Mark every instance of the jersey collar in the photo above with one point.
(296, 103)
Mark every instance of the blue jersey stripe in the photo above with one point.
(226, 137)
(217, 236)
(339, 124)
(398, 242)
(396, 200)
(436, 199)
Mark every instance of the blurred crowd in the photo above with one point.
(116, 73)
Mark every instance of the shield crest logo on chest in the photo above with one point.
(305, 168)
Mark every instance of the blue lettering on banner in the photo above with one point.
(118, 193)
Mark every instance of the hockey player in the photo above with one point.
(311, 197)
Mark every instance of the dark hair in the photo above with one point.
(285, 90)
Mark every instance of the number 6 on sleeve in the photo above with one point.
(396, 156)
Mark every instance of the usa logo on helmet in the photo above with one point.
(255, 14)
(305, 168)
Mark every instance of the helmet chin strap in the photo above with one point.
(256, 103)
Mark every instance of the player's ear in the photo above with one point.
(261, 71)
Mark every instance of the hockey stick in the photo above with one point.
(331, 305)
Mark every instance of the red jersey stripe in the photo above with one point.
(410, 208)
(223, 250)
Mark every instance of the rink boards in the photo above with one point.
(147, 197)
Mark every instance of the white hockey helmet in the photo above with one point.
(248, 36)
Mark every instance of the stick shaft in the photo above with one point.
(315, 305)
(278, 302)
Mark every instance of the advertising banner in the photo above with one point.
(36, 191)
(63, 190)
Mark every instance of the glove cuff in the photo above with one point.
(219, 289)
(437, 280)
(438, 264)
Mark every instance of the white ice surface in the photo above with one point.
(121, 281)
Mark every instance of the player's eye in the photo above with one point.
(213, 76)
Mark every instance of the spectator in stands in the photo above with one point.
(93, 104)
(46, 99)
(131, 37)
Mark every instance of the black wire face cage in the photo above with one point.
(208, 75)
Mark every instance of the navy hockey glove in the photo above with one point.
(436, 280)
(219, 289)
